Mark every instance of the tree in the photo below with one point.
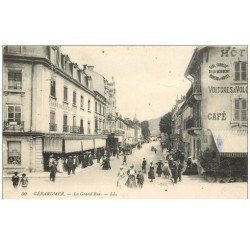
(145, 129)
(166, 124)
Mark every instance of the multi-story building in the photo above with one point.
(214, 114)
(49, 107)
(176, 133)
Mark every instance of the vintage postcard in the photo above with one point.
(125, 122)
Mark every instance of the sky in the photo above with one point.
(148, 78)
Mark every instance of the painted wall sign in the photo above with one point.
(233, 52)
(228, 90)
(217, 116)
(55, 104)
(219, 71)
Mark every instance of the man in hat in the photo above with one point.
(121, 176)
(51, 160)
(69, 164)
(74, 165)
(144, 164)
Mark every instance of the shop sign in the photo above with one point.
(219, 71)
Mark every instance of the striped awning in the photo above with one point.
(231, 143)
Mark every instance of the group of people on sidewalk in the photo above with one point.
(171, 168)
(16, 181)
(133, 180)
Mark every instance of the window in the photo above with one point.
(74, 121)
(96, 107)
(88, 105)
(65, 94)
(103, 111)
(240, 110)
(100, 109)
(81, 101)
(53, 88)
(65, 123)
(14, 114)
(52, 124)
(15, 79)
(74, 98)
(89, 127)
(14, 152)
(81, 126)
(240, 71)
(52, 117)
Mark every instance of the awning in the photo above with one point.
(52, 145)
(87, 144)
(73, 146)
(99, 143)
(231, 143)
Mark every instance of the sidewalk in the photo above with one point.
(58, 175)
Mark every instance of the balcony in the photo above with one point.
(75, 129)
(65, 128)
(194, 93)
(13, 126)
(52, 127)
(193, 125)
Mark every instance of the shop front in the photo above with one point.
(231, 148)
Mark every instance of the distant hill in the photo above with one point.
(154, 126)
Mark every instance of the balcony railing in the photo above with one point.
(52, 127)
(75, 129)
(197, 88)
(14, 126)
(193, 123)
(65, 128)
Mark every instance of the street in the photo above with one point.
(93, 182)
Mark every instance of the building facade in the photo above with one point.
(214, 114)
(48, 106)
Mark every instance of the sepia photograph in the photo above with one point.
(124, 122)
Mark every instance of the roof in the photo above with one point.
(193, 59)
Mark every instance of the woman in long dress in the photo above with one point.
(131, 183)
(60, 165)
(151, 173)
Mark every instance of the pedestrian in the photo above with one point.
(175, 171)
(69, 164)
(180, 167)
(15, 180)
(118, 152)
(60, 165)
(24, 181)
(155, 150)
(98, 156)
(166, 170)
(53, 171)
(151, 173)
(130, 183)
(144, 166)
(74, 165)
(121, 175)
(189, 162)
(140, 179)
(159, 168)
(124, 160)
